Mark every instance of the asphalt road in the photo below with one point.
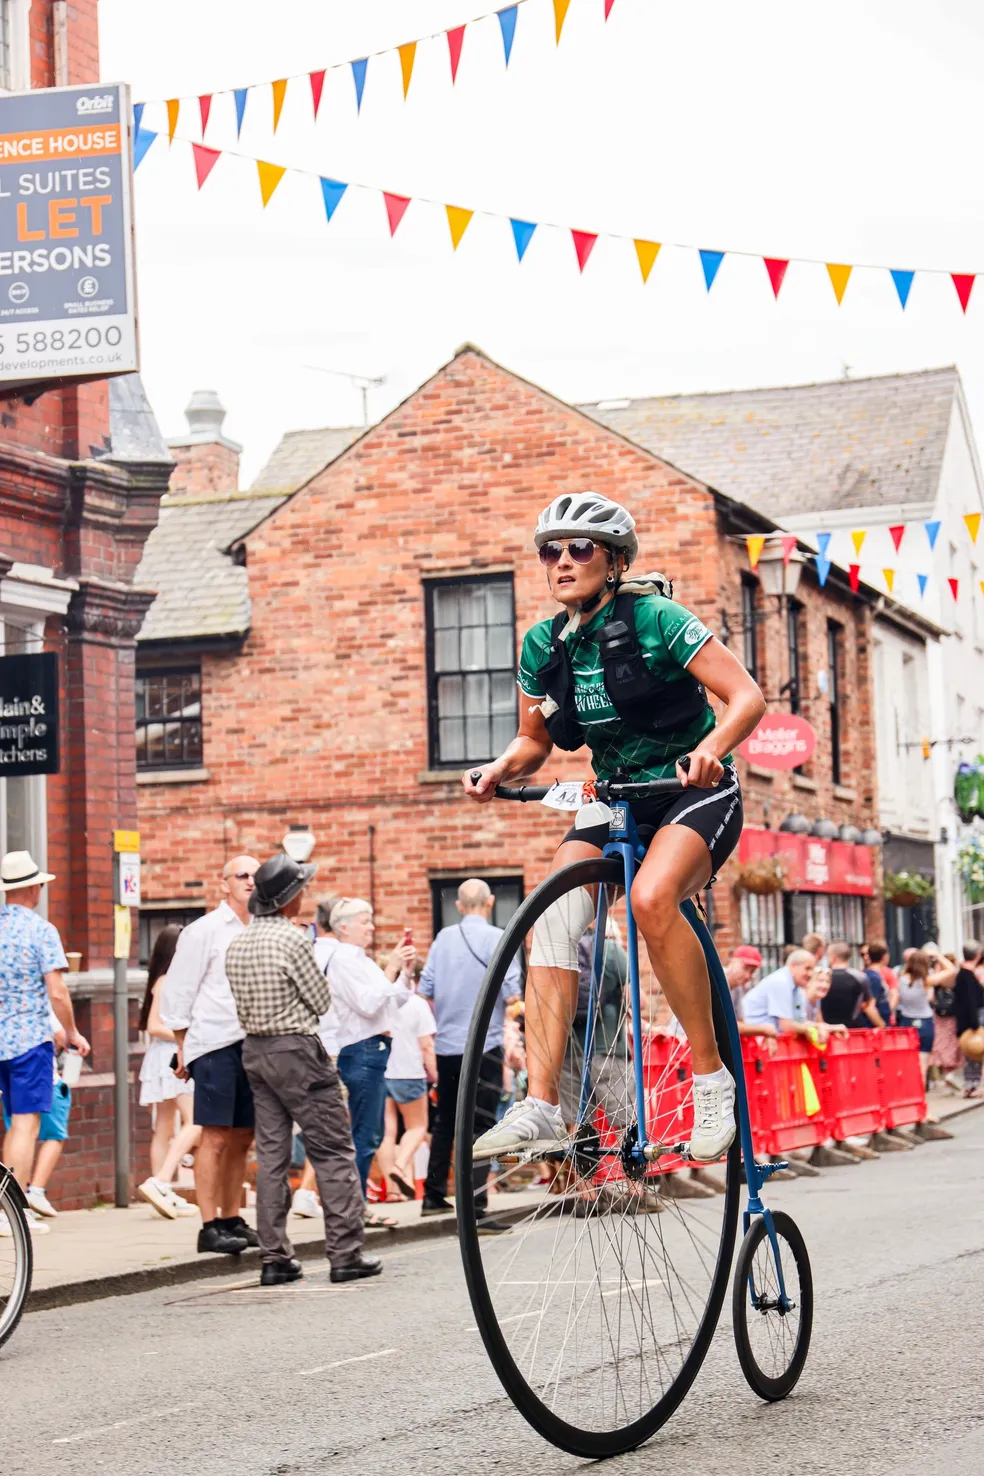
(390, 1376)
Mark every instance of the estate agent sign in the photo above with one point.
(28, 715)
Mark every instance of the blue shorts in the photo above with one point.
(223, 1097)
(26, 1081)
(925, 1028)
(54, 1124)
(404, 1089)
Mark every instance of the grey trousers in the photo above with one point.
(293, 1080)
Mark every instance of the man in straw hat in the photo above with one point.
(31, 965)
(280, 994)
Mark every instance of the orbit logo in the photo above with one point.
(103, 103)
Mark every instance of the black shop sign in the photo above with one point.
(28, 715)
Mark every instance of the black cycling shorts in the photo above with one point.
(716, 815)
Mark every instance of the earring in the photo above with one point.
(610, 581)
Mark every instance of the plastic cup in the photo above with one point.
(71, 1068)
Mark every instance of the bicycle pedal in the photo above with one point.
(774, 1166)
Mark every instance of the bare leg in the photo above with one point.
(164, 1113)
(309, 1179)
(414, 1133)
(676, 866)
(18, 1145)
(47, 1161)
(209, 1165)
(188, 1138)
(234, 1170)
(386, 1152)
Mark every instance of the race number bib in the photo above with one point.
(565, 794)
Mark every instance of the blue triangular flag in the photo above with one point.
(903, 281)
(923, 581)
(710, 261)
(823, 568)
(239, 94)
(823, 543)
(137, 115)
(522, 234)
(333, 190)
(359, 78)
(507, 24)
(142, 140)
(932, 529)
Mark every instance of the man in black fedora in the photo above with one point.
(280, 994)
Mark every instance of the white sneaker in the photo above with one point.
(527, 1125)
(35, 1223)
(5, 1230)
(714, 1116)
(305, 1203)
(39, 1201)
(160, 1196)
(182, 1208)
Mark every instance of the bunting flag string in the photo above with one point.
(646, 249)
(954, 586)
(754, 542)
(857, 538)
(932, 529)
(279, 93)
(560, 15)
(923, 580)
(455, 40)
(854, 575)
(896, 533)
(788, 544)
(458, 220)
(889, 577)
(973, 521)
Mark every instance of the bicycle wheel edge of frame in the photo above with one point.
(575, 1438)
(13, 1298)
(772, 1387)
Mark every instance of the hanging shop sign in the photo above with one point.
(813, 865)
(28, 715)
(67, 302)
(780, 741)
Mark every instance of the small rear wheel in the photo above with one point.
(16, 1255)
(773, 1321)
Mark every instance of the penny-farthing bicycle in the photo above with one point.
(598, 1305)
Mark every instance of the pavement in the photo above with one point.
(389, 1376)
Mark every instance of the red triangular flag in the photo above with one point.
(583, 245)
(776, 269)
(964, 285)
(854, 575)
(954, 586)
(317, 80)
(396, 206)
(205, 107)
(455, 38)
(896, 531)
(788, 544)
(608, 8)
(204, 162)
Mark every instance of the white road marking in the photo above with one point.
(362, 1358)
(153, 1414)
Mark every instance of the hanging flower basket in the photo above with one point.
(907, 888)
(764, 876)
(970, 864)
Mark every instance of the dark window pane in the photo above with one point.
(445, 606)
(141, 745)
(471, 679)
(446, 650)
(477, 740)
(172, 743)
(476, 694)
(451, 737)
(155, 698)
(155, 743)
(449, 696)
(193, 743)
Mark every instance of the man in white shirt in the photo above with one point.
(783, 999)
(197, 1004)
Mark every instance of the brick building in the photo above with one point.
(332, 647)
(82, 470)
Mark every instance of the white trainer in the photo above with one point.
(160, 1196)
(183, 1208)
(5, 1231)
(39, 1201)
(529, 1124)
(305, 1203)
(714, 1116)
(35, 1223)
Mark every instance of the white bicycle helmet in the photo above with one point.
(588, 515)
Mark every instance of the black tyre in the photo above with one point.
(598, 1305)
(16, 1256)
(772, 1340)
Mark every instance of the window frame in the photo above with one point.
(432, 676)
(178, 668)
(498, 881)
(794, 645)
(15, 70)
(749, 624)
(835, 661)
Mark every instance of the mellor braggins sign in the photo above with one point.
(780, 741)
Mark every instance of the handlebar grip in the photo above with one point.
(525, 792)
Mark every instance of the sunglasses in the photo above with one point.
(581, 550)
(242, 876)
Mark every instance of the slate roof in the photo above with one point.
(803, 448)
(200, 591)
(301, 454)
(133, 429)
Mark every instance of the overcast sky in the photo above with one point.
(842, 131)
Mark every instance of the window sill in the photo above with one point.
(755, 772)
(441, 776)
(172, 776)
(800, 781)
(841, 792)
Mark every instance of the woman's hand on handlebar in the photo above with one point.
(479, 784)
(703, 770)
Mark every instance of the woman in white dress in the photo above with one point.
(169, 1095)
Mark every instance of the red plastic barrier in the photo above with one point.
(667, 1078)
(902, 1093)
(852, 1093)
(778, 1098)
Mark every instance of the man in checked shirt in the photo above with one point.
(280, 994)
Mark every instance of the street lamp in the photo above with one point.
(795, 825)
(779, 570)
(298, 843)
(824, 830)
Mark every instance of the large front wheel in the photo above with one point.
(598, 1303)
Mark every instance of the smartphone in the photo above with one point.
(174, 1062)
(407, 937)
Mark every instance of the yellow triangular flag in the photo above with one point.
(889, 578)
(458, 219)
(755, 542)
(973, 521)
(270, 176)
(839, 277)
(982, 586)
(173, 108)
(279, 92)
(407, 54)
(857, 539)
(647, 252)
(560, 15)
(811, 1102)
